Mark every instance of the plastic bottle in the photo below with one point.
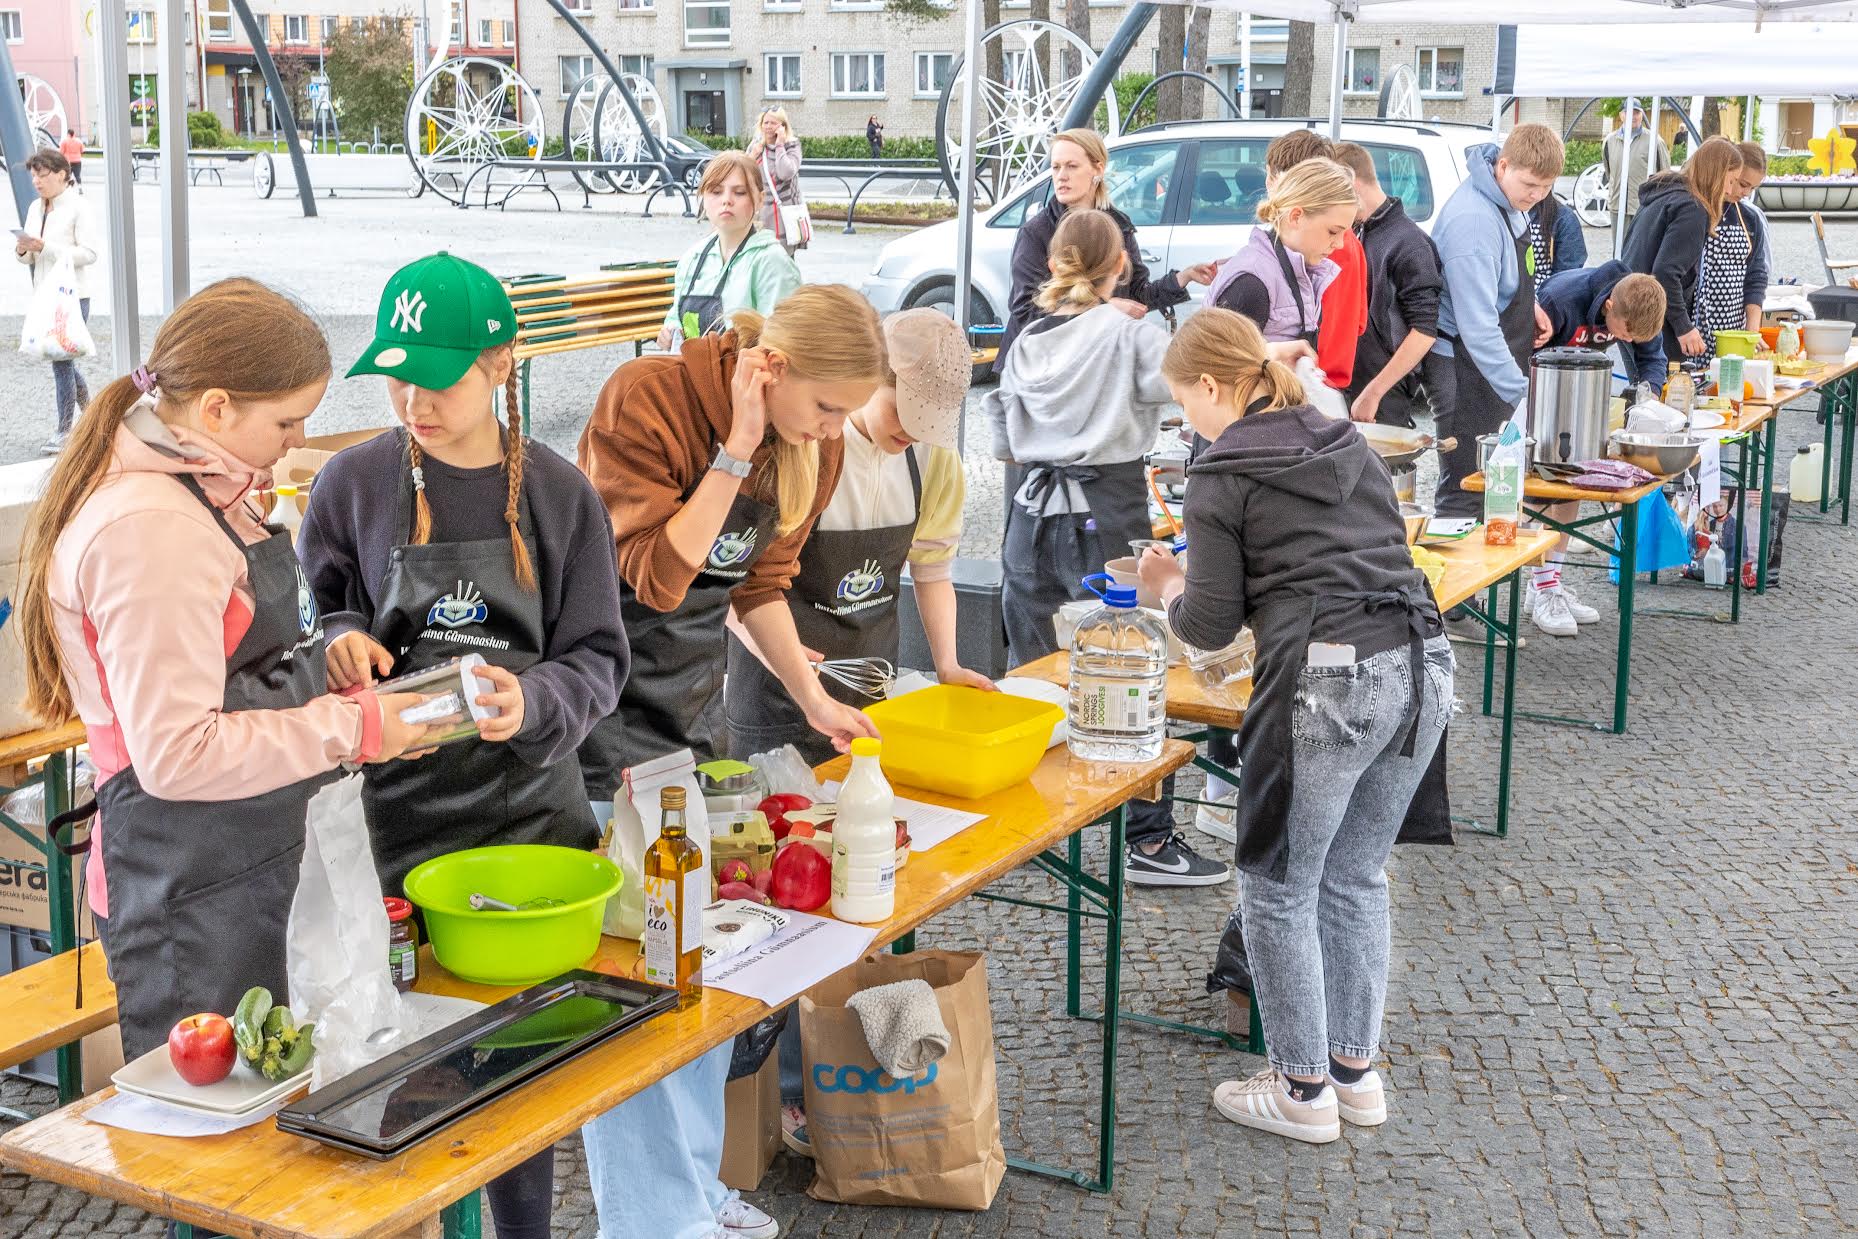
(1119, 679)
(864, 841)
(1503, 487)
(677, 885)
(1805, 475)
(1715, 566)
(285, 512)
(1680, 392)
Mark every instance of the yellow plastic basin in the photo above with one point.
(961, 741)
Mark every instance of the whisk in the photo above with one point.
(870, 677)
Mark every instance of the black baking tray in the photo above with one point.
(390, 1105)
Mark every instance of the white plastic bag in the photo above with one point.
(786, 771)
(54, 327)
(636, 819)
(336, 950)
(1322, 397)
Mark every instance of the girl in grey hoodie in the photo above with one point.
(1077, 408)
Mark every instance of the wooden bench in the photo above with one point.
(40, 1004)
(621, 304)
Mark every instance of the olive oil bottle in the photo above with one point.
(676, 888)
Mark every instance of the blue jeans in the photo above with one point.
(72, 391)
(653, 1160)
(1318, 941)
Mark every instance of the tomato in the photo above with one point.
(201, 1049)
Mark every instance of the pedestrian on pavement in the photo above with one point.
(72, 148)
(1296, 533)
(874, 136)
(1403, 300)
(60, 225)
(1644, 146)
(776, 152)
(1682, 212)
(739, 267)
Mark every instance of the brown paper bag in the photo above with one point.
(751, 1126)
(932, 1140)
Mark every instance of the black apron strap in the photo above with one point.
(1290, 278)
(193, 484)
(916, 479)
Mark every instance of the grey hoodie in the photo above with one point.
(1086, 391)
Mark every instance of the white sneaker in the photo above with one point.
(1552, 616)
(1582, 613)
(741, 1220)
(52, 446)
(1263, 1103)
(1219, 819)
(1363, 1103)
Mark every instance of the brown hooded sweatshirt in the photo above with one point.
(654, 431)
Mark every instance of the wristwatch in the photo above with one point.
(729, 464)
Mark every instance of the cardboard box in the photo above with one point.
(20, 486)
(751, 1126)
(300, 465)
(24, 892)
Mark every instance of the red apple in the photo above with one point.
(201, 1049)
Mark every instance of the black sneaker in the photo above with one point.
(1468, 630)
(1174, 864)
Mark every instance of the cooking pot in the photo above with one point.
(1400, 449)
(1569, 391)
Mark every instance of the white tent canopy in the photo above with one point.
(1683, 60)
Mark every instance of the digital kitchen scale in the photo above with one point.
(421, 1088)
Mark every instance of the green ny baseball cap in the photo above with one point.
(436, 316)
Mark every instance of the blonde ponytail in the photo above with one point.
(828, 333)
(1314, 185)
(1229, 349)
(1086, 251)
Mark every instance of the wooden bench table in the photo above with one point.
(263, 1182)
(1836, 384)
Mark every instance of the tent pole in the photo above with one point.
(1336, 76)
(1651, 132)
(173, 91)
(16, 137)
(281, 108)
(118, 182)
(1625, 174)
(1748, 119)
(964, 210)
(1245, 66)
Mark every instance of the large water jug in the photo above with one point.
(1119, 679)
(1806, 474)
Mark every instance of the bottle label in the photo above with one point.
(842, 869)
(402, 961)
(660, 939)
(690, 901)
(1104, 703)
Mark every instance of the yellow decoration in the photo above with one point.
(1832, 154)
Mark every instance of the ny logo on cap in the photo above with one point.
(409, 308)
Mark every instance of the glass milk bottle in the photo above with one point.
(1119, 677)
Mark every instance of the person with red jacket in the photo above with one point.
(1345, 300)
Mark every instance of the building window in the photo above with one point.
(855, 6)
(1364, 70)
(781, 6)
(580, 6)
(933, 70)
(1441, 70)
(635, 6)
(141, 26)
(573, 69)
(296, 28)
(638, 66)
(509, 34)
(486, 32)
(329, 25)
(858, 75)
(11, 27)
(706, 23)
(781, 75)
(456, 34)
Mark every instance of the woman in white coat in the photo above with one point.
(59, 225)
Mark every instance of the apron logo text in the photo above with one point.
(861, 583)
(730, 549)
(306, 604)
(465, 605)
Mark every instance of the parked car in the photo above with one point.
(1149, 175)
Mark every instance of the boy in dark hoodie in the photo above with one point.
(1403, 300)
(1296, 533)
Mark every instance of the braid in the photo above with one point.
(422, 511)
(513, 465)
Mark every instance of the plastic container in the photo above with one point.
(1806, 474)
(1119, 681)
(450, 691)
(1826, 339)
(514, 948)
(1223, 673)
(962, 741)
(1737, 343)
(864, 841)
(1729, 376)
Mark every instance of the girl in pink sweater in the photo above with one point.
(161, 610)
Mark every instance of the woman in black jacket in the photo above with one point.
(1678, 215)
(1079, 163)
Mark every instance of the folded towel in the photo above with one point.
(902, 1024)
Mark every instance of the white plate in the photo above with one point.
(245, 1090)
(1706, 419)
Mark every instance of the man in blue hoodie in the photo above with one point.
(1487, 321)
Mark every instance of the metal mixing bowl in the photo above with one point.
(1662, 454)
(1416, 516)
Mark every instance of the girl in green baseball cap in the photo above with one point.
(454, 535)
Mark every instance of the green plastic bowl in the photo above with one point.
(514, 948)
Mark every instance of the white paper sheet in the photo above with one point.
(1710, 471)
(793, 960)
(930, 824)
(157, 1118)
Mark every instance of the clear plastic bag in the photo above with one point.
(54, 326)
(786, 771)
(448, 699)
(1222, 673)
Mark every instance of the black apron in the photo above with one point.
(707, 307)
(469, 794)
(844, 604)
(1046, 558)
(673, 698)
(200, 891)
(1474, 407)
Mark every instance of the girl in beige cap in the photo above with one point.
(898, 501)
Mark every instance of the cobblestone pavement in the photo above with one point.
(1633, 1017)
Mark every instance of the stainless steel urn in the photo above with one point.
(1569, 390)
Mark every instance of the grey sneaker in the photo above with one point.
(1174, 864)
(1262, 1102)
(1363, 1103)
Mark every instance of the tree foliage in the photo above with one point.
(370, 76)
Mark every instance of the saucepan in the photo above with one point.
(1401, 449)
